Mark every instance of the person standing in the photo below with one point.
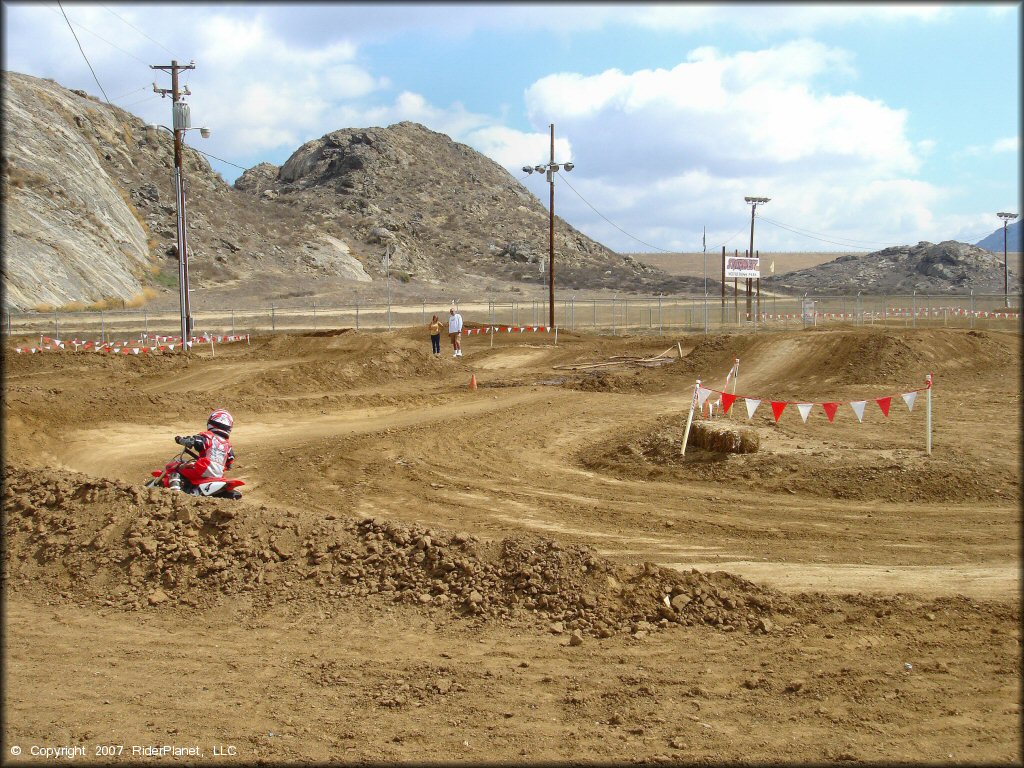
(435, 335)
(455, 331)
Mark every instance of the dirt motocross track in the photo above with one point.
(528, 571)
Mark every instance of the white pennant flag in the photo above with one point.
(909, 398)
(858, 408)
(805, 410)
(751, 406)
(702, 395)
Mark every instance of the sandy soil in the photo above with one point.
(528, 571)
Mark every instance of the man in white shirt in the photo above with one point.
(455, 331)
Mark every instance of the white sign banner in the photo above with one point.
(742, 266)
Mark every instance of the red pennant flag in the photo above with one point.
(830, 409)
(727, 401)
(883, 403)
(777, 409)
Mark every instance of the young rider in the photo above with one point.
(214, 449)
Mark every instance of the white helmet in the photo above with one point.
(220, 422)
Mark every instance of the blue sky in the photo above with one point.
(868, 125)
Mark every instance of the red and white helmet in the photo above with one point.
(220, 422)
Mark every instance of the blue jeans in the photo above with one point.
(435, 342)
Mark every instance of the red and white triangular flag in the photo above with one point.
(805, 410)
(751, 406)
(830, 410)
(909, 398)
(727, 401)
(883, 403)
(777, 409)
(858, 408)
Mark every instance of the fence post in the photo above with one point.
(689, 419)
(273, 320)
(56, 325)
(972, 310)
(314, 315)
(572, 313)
(660, 324)
(103, 329)
(913, 309)
(8, 324)
(928, 415)
(232, 322)
(357, 315)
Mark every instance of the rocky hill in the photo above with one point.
(995, 241)
(948, 267)
(88, 194)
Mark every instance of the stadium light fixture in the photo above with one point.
(551, 168)
(1006, 217)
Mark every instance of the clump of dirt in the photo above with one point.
(721, 438)
(134, 548)
(608, 381)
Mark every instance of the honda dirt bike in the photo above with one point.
(218, 487)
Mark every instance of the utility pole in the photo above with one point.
(1005, 217)
(723, 284)
(551, 234)
(754, 201)
(180, 117)
(551, 169)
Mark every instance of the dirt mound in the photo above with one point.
(800, 465)
(130, 547)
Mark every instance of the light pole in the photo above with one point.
(551, 168)
(1006, 217)
(754, 201)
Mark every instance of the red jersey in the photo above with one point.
(215, 455)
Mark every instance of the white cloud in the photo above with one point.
(664, 153)
(1010, 144)
(770, 18)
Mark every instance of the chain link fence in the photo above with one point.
(616, 316)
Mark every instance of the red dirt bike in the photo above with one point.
(191, 481)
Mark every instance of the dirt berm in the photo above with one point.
(529, 571)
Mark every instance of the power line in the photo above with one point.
(850, 243)
(129, 93)
(627, 234)
(83, 52)
(112, 45)
(633, 237)
(207, 154)
(137, 30)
